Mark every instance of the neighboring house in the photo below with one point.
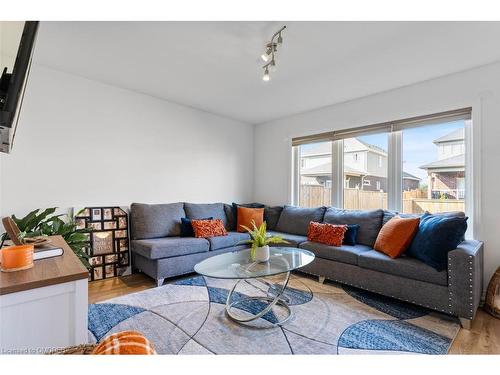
(446, 175)
(365, 166)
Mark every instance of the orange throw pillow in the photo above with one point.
(247, 215)
(396, 235)
(208, 228)
(328, 234)
(126, 342)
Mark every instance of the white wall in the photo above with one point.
(80, 142)
(479, 88)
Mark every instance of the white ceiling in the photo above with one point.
(215, 66)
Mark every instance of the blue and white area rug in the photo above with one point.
(187, 316)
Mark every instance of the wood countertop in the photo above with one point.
(45, 272)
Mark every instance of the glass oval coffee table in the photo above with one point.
(239, 266)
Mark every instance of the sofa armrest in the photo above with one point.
(465, 278)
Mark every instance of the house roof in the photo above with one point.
(409, 176)
(456, 135)
(453, 162)
(350, 145)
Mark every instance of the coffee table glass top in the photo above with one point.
(238, 264)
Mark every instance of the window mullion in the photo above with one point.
(338, 173)
(395, 172)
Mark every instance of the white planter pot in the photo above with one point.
(262, 254)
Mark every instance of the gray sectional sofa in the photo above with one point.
(158, 251)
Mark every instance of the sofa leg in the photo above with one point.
(321, 279)
(465, 323)
(159, 282)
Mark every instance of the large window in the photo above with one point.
(365, 171)
(434, 168)
(315, 174)
(410, 166)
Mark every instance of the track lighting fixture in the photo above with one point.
(270, 55)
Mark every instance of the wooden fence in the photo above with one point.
(414, 201)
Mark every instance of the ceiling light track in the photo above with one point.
(269, 56)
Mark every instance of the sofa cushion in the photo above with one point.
(344, 253)
(248, 217)
(155, 220)
(169, 247)
(230, 218)
(295, 220)
(396, 235)
(388, 215)
(293, 239)
(202, 210)
(351, 235)
(369, 222)
(328, 234)
(246, 205)
(437, 235)
(272, 215)
(232, 239)
(187, 226)
(208, 228)
(404, 266)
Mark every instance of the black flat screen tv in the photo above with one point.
(13, 84)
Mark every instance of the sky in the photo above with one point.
(418, 148)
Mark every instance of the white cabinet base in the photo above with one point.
(38, 320)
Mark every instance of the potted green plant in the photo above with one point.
(44, 223)
(260, 242)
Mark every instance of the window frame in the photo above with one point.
(394, 131)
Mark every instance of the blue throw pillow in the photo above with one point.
(351, 234)
(187, 227)
(436, 236)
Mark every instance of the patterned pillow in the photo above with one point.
(126, 342)
(208, 228)
(328, 234)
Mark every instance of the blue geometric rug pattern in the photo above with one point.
(187, 316)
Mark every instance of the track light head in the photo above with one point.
(280, 38)
(266, 77)
(265, 57)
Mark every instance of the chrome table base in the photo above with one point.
(270, 300)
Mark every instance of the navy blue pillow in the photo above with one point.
(187, 227)
(351, 234)
(436, 236)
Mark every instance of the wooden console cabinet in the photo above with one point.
(44, 307)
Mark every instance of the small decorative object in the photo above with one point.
(107, 244)
(492, 304)
(16, 258)
(260, 242)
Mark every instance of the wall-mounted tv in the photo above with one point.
(14, 75)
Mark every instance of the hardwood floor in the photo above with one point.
(483, 338)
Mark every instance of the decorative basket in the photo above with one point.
(77, 349)
(492, 304)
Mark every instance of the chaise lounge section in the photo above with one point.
(160, 252)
